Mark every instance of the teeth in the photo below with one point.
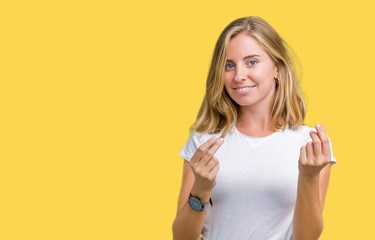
(241, 89)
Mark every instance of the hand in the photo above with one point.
(205, 166)
(316, 154)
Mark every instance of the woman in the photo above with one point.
(252, 169)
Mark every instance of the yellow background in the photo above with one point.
(97, 97)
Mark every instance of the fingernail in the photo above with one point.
(220, 140)
(317, 125)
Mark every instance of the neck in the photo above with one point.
(257, 122)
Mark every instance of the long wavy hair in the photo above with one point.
(218, 110)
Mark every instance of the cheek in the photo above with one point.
(262, 75)
(227, 79)
(227, 88)
(227, 76)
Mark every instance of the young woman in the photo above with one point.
(252, 169)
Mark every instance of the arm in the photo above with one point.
(188, 223)
(314, 165)
(311, 192)
(199, 177)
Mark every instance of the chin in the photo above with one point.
(245, 104)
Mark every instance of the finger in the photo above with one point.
(212, 174)
(324, 139)
(303, 154)
(310, 151)
(317, 144)
(210, 153)
(202, 149)
(211, 164)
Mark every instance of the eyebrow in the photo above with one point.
(250, 56)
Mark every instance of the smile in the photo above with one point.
(243, 89)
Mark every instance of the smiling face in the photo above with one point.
(249, 72)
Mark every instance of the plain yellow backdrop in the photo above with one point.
(96, 99)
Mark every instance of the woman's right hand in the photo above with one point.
(205, 166)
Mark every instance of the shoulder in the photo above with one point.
(200, 138)
(302, 132)
(195, 140)
(304, 129)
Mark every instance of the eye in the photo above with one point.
(228, 66)
(252, 62)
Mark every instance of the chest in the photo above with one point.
(265, 174)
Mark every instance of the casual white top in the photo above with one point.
(256, 186)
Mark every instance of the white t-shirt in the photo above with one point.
(256, 186)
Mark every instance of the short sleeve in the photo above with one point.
(191, 146)
(333, 158)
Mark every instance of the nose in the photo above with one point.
(241, 73)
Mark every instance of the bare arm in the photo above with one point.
(313, 180)
(199, 177)
(188, 223)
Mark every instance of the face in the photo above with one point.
(249, 72)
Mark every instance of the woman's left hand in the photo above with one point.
(316, 154)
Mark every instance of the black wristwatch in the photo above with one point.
(196, 203)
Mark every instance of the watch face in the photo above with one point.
(195, 204)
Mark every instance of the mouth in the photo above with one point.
(244, 89)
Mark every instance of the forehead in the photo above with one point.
(242, 45)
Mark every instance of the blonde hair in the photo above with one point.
(218, 111)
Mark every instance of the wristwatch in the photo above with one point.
(196, 203)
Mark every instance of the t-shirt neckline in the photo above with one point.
(256, 138)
